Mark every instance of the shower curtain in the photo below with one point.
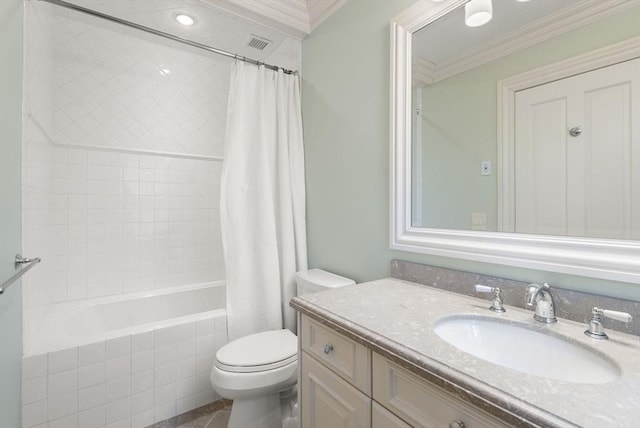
(262, 204)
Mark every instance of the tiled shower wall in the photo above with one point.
(122, 139)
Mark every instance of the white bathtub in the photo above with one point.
(129, 360)
(76, 323)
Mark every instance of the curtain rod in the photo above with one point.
(165, 35)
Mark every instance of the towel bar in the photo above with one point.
(19, 261)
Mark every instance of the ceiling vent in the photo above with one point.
(257, 42)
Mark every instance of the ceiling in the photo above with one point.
(229, 24)
(508, 16)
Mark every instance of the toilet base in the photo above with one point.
(263, 411)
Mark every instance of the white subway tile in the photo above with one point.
(62, 405)
(205, 397)
(142, 361)
(164, 375)
(142, 381)
(185, 404)
(203, 382)
(164, 411)
(62, 360)
(165, 394)
(118, 347)
(165, 336)
(142, 401)
(186, 387)
(118, 409)
(91, 354)
(204, 363)
(142, 341)
(34, 390)
(186, 349)
(165, 355)
(91, 397)
(70, 421)
(63, 382)
(92, 418)
(205, 345)
(143, 419)
(34, 414)
(118, 367)
(205, 327)
(34, 366)
(186, 368)
(122, 423)
(118, 388)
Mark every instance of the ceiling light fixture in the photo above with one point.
(478, 12)
(185, 19)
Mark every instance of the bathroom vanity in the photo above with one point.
(370, 357)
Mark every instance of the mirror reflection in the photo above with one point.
(574, 168)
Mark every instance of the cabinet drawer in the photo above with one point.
(327, 401)
(350, 360)
(382, 418)
(420, 403)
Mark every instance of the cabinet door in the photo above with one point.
(382, 418)
(421, 403)
(328, 401)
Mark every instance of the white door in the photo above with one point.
(586, 182)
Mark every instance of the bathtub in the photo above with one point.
(128, 360)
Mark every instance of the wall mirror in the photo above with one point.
(488, 153)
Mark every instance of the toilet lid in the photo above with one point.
(258, 352)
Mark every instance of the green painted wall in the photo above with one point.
(345, 105)
(11, 13)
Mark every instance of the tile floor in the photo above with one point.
(214, 415)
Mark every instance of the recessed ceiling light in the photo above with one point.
(185, 19)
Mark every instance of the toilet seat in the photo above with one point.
(258, 352)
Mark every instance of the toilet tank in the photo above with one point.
(312, 280)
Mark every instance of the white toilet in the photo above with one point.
(259, 372)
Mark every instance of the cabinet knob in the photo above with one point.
(328, 348)
(456, 424)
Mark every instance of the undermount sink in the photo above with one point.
(520, 348)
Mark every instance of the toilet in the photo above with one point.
(259, 372)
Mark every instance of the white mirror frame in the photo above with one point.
(616, 260)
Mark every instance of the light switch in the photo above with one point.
(485, 168)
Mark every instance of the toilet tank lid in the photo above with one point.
(324, 278)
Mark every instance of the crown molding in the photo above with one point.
(319, 10)
(295, 18)
(568, 19)
(287, 16)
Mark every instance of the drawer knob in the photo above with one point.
(328, 348)
(456, 424)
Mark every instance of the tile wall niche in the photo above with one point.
(123, 134)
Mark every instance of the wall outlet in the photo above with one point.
(485, 168)
(478, 221)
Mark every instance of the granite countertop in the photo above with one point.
(395, 318)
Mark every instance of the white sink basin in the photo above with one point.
(517, 347)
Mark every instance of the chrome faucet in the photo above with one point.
(539, 298)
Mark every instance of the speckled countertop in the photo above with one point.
(395, 318)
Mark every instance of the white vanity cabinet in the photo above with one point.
(335, 379)
(346, 385)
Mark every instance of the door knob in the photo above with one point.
(456, 424)
(575, 131)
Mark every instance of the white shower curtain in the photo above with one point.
(262, 205)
